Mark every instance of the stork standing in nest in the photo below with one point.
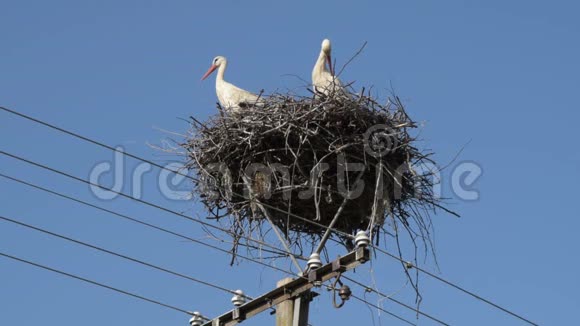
(231, 97)
(323, 78)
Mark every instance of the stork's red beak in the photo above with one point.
(329, 60)
(209, 71)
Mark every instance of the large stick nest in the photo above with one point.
(300, 161)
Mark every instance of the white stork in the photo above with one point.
(323, 78)
(230, 96)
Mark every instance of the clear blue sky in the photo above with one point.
(503, 76)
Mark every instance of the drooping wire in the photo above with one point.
(395, 301)
(86, 280)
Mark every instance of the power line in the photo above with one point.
(165, 270)
(280, 251)
(76, 135)
(381, 309)
(395, 300)
(264, 204)
(103, 145)
(136, 221)
(260, 242)
(456, 287)
(132, 220)
(126, 217)
(95, 283)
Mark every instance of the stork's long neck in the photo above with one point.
(221, 71)
(320, 65)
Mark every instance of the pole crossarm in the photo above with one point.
(293, 289)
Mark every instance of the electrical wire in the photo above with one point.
(94, 283)
(381, 309)
(213, 226)
(264, 204)
(132, 219)
(456, 287)
(395, 300)
(165, 209)
(100, 144)
(88, 245)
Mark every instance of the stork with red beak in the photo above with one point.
(323, 78)
(231, 97)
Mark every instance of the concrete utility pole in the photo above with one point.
(292, 296)
(285, 309)
(293, 312)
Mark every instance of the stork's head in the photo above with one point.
(325, 48)
(217, 62)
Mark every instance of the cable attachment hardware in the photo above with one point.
(314, 262)
(344, 292)
(361, 239)
(239, 298)
(196, 319)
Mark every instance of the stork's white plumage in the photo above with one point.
(231, 97)
(323, 78)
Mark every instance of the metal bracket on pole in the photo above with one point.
(293, 289)
(238, 315)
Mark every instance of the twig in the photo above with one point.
(352, 58)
